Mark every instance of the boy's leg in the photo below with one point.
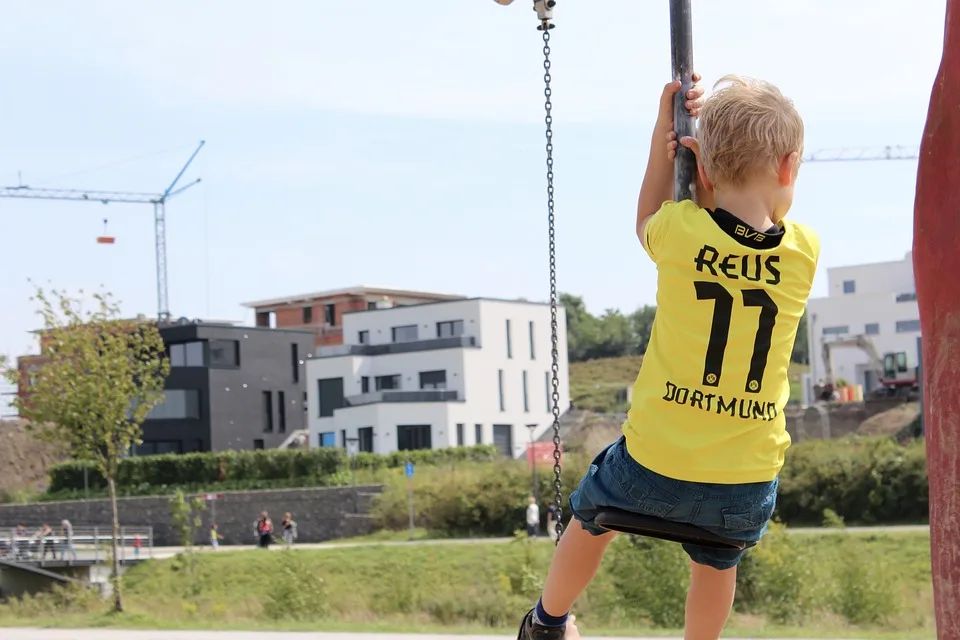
(581, 547)
(573, 566)
(709, 601)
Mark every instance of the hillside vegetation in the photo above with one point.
(600, 385)
(864, 586)
(24, 461)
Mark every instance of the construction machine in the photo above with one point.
(893, 375)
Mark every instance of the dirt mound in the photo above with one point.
(891, 421)
(23, 459)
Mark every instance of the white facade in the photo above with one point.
(878, 301)
(438, 375)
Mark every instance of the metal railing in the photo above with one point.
(86, 544)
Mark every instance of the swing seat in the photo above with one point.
(640, 525)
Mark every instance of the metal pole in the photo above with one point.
(410, 485)
(681, 55)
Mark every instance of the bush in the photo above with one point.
(862, 480)
(298, 467)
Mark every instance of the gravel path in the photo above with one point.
(104, 634)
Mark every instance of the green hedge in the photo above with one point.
(864, 481)
(261, 468)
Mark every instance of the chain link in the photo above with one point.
(554, 329)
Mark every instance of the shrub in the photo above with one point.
(297, 467)
(864, 592)
(651, 578)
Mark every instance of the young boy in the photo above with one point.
(705, 438)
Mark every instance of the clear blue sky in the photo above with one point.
(400, 143)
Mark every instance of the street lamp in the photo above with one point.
(533, 463)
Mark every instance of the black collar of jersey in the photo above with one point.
(744, 233)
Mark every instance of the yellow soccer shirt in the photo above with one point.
(708, 402)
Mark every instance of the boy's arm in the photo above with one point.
(657, 186)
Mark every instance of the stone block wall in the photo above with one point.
(321, 514)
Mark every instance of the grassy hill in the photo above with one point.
(599, 385)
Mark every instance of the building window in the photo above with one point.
(836, 331)
(549, 381)
(500, 389)
(433, 379)
(330, 396)
(387, 383)
(263, 318)
(186, 354)
(365, 384)
(509, 345)
(849, 286)
(872, 328)
(281, 412)
(906, 326)
(533, 352)
(224, 354)
(371, 306)
(460, 426)
(258, 444)
(307, 313)
(526, 403)
(411, 437)
(478, 433)
(363, 337)
(450, 329)
(365, 435)
(343, 438)
(267, 412)
(406, 333)
(503, 439)
(177, 404)
(328, 439)
(330, 314)
(295, 361)
(907, 297)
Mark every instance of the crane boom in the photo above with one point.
(863, 154)
(158, 200)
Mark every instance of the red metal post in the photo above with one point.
(936, 260)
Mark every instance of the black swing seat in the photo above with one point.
(651, 527)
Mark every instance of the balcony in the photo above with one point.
(336, 351)
(424, 395)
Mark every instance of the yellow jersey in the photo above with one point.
(708, 402)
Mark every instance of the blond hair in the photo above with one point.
(746, 128)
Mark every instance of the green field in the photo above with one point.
(594, 384)
(865, 586)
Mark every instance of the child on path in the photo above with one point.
(704, 440)
(215, 538)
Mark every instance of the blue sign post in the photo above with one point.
(408, 471)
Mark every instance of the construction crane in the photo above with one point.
(158, 200)
(863, 154)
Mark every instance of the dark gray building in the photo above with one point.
(230, 387)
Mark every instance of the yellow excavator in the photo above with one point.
(894, 376)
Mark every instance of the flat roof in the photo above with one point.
(360, 290)
(477, 299)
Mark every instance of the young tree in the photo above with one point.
(101, 376)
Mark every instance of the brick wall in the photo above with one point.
(321, 514)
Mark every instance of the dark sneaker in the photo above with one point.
(530, 629)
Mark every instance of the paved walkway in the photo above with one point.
(167, 552)
(103, 634)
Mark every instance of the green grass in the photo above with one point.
(483, 588)
(595, 384)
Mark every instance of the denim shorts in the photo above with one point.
(734, 511)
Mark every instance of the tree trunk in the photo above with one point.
(115, 578)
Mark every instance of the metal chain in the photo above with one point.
(555, 380)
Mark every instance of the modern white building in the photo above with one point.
(440, 374)
(876, 301)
